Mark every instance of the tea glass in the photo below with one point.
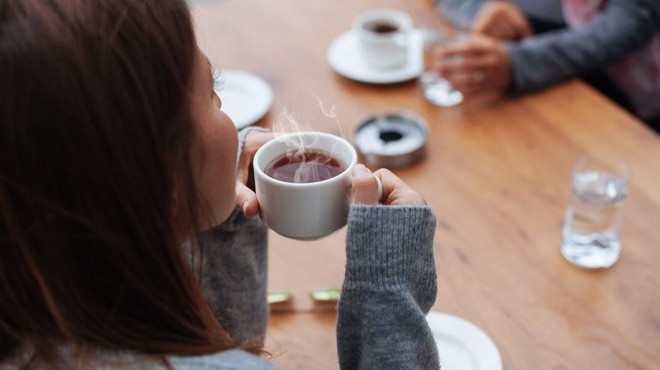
(434, 87)
(590, 235)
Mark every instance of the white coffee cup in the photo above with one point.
(383, 36)
(304, 211)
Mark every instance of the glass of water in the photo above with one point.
(591, 236)
(436, 89)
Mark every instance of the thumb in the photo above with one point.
(246, 199)
(364, 186)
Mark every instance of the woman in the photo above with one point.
(533, 44)
(114, 159)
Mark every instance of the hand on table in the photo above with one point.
(395, 192)
(479, 63)
(502, 20)
(246, 199)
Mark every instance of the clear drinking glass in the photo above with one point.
(436, 89)
(591, 236)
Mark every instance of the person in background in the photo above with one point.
(127, 236)
(528, 45)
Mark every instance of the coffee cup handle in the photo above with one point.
(380, 187)
(402, 39)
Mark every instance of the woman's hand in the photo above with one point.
(502, 20)
(246, 199)
(479, 63)
(395, 191)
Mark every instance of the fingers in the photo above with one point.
(364, 186)
(468, 64)
(246, 199)
(396, 191)
(502, 20)
(473, 75)
(471, 47)
(484, 65)
(467, 84)
(253, 141)
(497, 26)
(521, 25)
(485, 18)
(504, 29)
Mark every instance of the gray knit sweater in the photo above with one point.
(389, 286)
(538, 62)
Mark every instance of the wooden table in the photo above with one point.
(497, 175)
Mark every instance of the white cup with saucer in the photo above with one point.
(383, 37)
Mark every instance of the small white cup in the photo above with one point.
(304, 211)
(383, 36)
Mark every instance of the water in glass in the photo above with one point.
(439, 91)
(591, 227)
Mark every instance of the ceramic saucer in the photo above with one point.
(246, 97)
(462, 345)
(344, 57)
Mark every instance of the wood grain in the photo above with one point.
(497, 175)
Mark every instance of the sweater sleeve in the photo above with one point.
(543, 60)
(234, 275)
(390, 285)
(460, 13)
(226, 360)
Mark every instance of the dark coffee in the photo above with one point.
(381, 27)
(304, 167)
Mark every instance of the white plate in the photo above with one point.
(462, 345)
(344, 57)
(245, 97)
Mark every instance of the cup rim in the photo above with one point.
(622, 168)
(260, 172)
(402, 18)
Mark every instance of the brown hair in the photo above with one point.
(95, 133)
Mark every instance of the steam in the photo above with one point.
(312, 169)
(309, 167)
(329, 113)
(287, 123)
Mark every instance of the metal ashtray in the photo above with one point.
(395, 140)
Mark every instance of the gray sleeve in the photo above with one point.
(390, 285)
(460, 13)
(234, 275)
(227, 360)
(623, 27)
(242, 133)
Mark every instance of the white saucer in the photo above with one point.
(245, 97)
(462, 345)
(344, 58)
